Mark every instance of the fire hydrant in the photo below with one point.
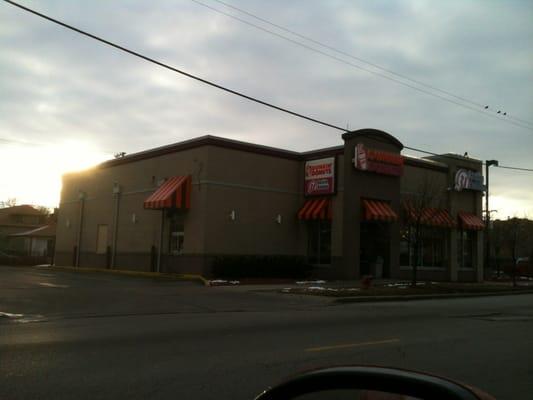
(366, 281)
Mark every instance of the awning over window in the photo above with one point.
(376, 210)
(470, 221)
(175, 192)
(316, 209)
(430, 216)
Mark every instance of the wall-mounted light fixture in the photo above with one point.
(116, 188)
(82, 195)
(278, 219)
(233, 215)
(134, 218)
(67, 223)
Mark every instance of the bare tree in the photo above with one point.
(44, 210)
(419, 209)
(10, 202)
(513, 239)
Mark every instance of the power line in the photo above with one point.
(161, 64)
(523, 124)
(444, 156)
(514, 168)
(23, 142)
(336, 50)
(124, 49)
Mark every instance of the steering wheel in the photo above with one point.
(371, 378)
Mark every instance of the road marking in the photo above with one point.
(349, 345)
(46, 284)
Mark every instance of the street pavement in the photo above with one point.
(99, 336)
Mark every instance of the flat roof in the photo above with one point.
(210, 140)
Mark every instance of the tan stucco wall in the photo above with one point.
(137, 180)
(258, 188)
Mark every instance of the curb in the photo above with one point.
(370, 299)
(138, 274)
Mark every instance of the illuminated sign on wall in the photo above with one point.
(381, 162)
(320, 176)
(467, 179)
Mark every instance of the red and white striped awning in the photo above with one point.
(375, 210)
(316, 209)
(175, 192)
(470, 221)
(430, 216)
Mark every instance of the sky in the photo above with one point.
(68, 102)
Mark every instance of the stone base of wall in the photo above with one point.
(466, 276)
(425, 275)
(145, 262)
(64, 259)
(202, 265)
(334, 271)
(187, 264)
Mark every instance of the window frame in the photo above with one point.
(428, 234)
(315, 233)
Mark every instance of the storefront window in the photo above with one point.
(177, 234)
(465, 248)
(431, 249)
(405, 247)
(319, 243)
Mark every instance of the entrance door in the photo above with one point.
(374, 256)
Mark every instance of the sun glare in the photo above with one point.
(33, 174)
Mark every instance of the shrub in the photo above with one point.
(293, 267)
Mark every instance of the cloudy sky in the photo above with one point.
(67, 101)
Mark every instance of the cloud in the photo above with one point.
(58, 85)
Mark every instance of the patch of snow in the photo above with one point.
(223, 281)
(53, 285)
(401, 284)
(286, 290)
(319, 282)
(316, 288)
(10, 315)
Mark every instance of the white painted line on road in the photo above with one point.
(53, 285)
(349, 345)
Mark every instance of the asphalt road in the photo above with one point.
(94, 336)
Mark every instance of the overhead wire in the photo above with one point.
(202, 80)
(481, 111)
(161, 64)
(344, 53)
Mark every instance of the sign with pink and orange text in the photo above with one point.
(381, 162)
(320, 176)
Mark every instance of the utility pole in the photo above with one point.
(488, 163)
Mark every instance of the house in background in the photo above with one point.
(38, 242)
(27, 231)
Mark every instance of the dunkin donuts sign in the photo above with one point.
(381, 162)
(320, 176)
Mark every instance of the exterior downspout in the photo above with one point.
(80, 228)
(158, 269)
(116, 192)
